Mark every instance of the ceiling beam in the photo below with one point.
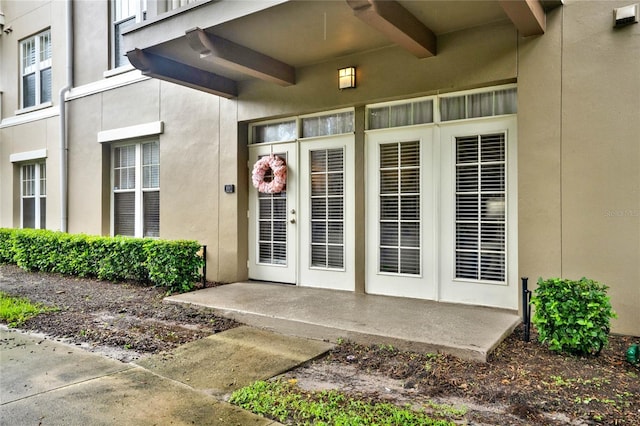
(527, 15)
(168, 70)
(398, 24)
(238, 58)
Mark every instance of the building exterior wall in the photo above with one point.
(578, 144)
(600, 154)
(579, 193)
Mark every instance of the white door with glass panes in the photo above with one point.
(402, 175)
(305, 234)
(479, 213)
(327, 212)
(273, 222)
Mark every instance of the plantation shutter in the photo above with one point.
(327, 208)
(480, 207)
(272, 225)
(125, 213)
(399, 235)
(124, 197)
(151, 193)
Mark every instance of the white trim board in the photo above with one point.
(137, 131)
(28, 155)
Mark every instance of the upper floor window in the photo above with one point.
(35, 69)
(125, 13)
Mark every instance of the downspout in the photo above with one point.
(64, 187)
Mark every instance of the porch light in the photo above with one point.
(347, 78)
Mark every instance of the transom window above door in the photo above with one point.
(478, 103)
(316, 125)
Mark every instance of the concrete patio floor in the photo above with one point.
(469, 332)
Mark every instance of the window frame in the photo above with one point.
(39, 192)
(39, 65)
(138, 188)
(136, 12)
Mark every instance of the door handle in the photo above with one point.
(292, 220)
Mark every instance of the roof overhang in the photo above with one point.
(214, 45)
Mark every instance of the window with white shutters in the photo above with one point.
(399, 230)
(35, 69)
(327, 208)
(272, 224)
(480, 207)
(136, 190)
(33, 194)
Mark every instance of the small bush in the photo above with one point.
(174, 265)
(572, 316)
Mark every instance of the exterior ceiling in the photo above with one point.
(298, 33)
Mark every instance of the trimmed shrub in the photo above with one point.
(572, 316)
(6, 246)
(174, 265)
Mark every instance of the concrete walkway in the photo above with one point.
(470, 332)
(44, 382)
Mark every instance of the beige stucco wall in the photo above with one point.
(579, 150)
(600, 155)
(193, 169)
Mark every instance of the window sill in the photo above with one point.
(117, 71)
(34, 108)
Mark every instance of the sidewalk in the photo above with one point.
(44, 382)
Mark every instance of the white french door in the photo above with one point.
(479, 213)
(442, 212)
(401, 212)
(273, 232)
(305, 234)
(327, 213)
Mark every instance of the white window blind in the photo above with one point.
(327, 208)
(330, 124)
(485, 104)
(275, 132)
(272, 225)
(480, 207)
(151, 189)
(35, 55)
(399, 239)
(136, 190)
(398, 115)
(34, 195)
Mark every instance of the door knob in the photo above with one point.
(292, 220)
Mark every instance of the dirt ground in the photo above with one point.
(522, 384)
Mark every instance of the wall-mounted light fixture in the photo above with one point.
(347, 78)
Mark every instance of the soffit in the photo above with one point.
(298, 33)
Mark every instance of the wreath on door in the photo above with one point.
(278, 174)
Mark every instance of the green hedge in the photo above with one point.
(174, 265)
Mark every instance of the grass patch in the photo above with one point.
(286, 403)
(16, 310)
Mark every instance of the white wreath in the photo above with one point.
(279, 171)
